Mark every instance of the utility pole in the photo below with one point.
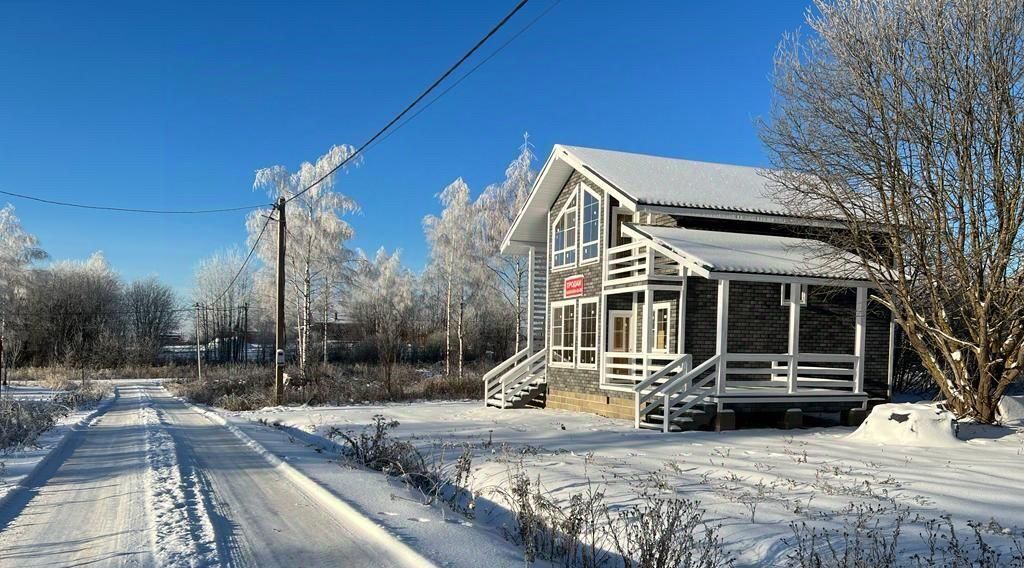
(280, 337)
(199, 359)
(245, 332)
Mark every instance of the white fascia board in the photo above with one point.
(508, 241)
(780, 278)
(625, 200)
(742, 216)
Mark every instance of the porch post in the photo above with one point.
(531, 266)
(722, 335)
(794, 336)
(860, 338)
(681, 325)
(645, 330)
(892, 352)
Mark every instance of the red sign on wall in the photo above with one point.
(574, 287)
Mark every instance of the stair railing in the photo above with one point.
(650, 395)
(514, 375)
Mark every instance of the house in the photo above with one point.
(679, 294)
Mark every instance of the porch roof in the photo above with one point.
(722, 252)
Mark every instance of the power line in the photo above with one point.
(470, 72)
(255, 244)
(416, 101)
(132, 209)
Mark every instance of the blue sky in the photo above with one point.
(175, 104)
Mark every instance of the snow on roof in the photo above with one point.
(756, 254)
(673, 182)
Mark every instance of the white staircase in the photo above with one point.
(673, 397)
(518, 381)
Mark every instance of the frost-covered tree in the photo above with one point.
(382, 304)
(498, 205)
(906, 120)
(456, 245)
(222, 305)
(18, 249)
(317, 235)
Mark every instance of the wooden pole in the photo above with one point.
(280, 333)
(199, 359)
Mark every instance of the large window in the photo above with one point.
(563, 333)
(589, 223)
(563, 249)
(588, 334)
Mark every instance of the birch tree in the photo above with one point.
(499, 204)
(18, 249)
(317, 234)
(455, 243)
(905, 119)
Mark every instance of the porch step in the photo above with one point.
(532, 396)
(690, 420)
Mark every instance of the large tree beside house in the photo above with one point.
(906, 121)
(317, 237)
(499, 204)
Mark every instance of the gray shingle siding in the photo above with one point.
(758, 322)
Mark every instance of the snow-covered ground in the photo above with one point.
(20, 463)
(754, 483)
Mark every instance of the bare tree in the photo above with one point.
(905, 119)
(150, 313)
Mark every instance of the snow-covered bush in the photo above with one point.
(1011, 410)
(22, 422)
(921, 425)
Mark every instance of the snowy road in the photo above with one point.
(155, 483)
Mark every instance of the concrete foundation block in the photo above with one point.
(725, 420)
(794, 418)
(854, 416)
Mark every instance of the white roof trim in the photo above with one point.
(720, 254)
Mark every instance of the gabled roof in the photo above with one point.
(638, 180)
(673, 182)
(722, 252)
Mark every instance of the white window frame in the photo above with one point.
(582, 191)
(579, 332)
(785, 294)
(571, 204)
(551, 330)
(667, 307)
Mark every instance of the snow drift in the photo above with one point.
(919, 424)
(1011, 410)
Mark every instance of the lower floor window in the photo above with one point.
(588, 333)
(563, 333)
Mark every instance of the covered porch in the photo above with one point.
(678, 367)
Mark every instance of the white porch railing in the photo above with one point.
(627, 369)
(510, 379)
(637, 262)
(676, 387)
(765, 373)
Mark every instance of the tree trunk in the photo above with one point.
(448, 328)
(462, 311)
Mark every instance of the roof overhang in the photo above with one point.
(737, 256)
(530, 226)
